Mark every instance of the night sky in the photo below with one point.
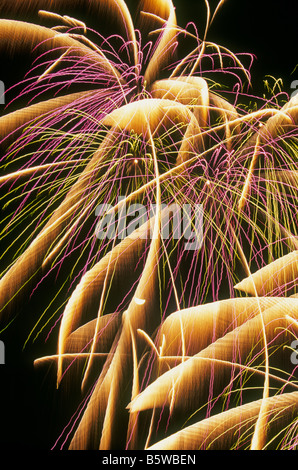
(264, 28)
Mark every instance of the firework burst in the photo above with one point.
(184, 346)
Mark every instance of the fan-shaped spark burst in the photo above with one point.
(159, 220)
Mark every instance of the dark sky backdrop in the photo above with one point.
(265, 28)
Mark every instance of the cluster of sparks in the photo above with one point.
(158, 338)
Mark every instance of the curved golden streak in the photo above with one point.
(116, 9)
(246, 186)
(93, 346)
(29, 263)
(56, 357)
(174, 359)
(129, 324)
(33, 169)
(131, 29)
(223, 431)
(23, 36)
(54, 65)
(14, 122)
(57, 247)
(164, 45)
(106, 398)
(248, 334)
(259, 435)
(274, 275)
(216, 10)
(132, 428)
(208, 19)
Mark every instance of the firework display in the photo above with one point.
(149, 230)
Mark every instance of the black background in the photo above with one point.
(267, 29)
(264, 28)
